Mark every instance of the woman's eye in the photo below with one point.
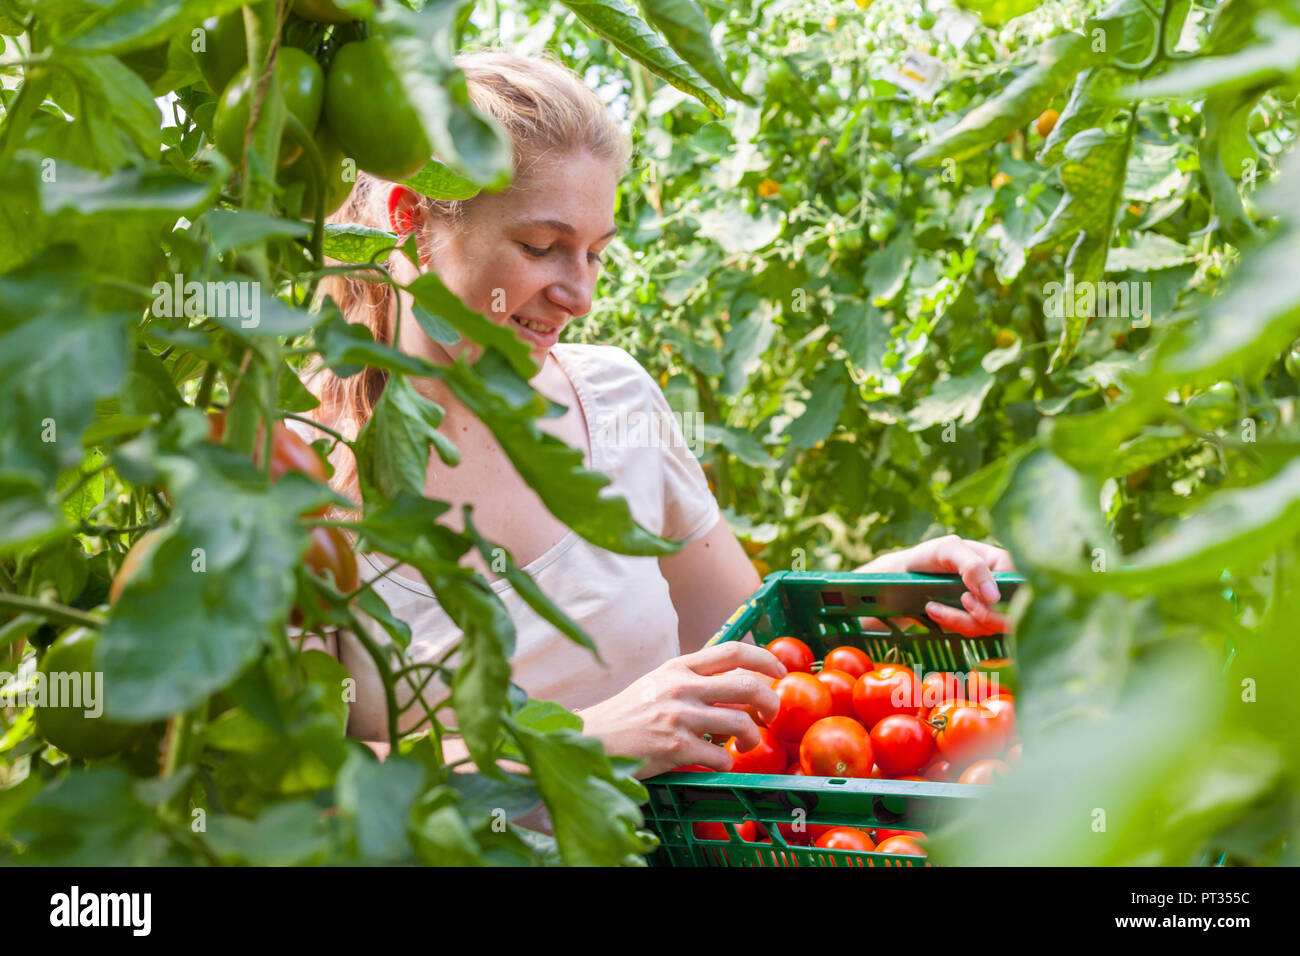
(594, 258)
(534, 250)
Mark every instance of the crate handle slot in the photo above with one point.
(833, 598)
(867, 599)
(882, 813)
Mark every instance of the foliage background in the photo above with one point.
(862, 325)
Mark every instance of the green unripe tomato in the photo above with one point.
(1292, 362)
(224, 50)
(878, 231)
(851, 239)
(881, 134)
(827, 99)
(845, 203)
(1257, 122)
(926, 20)
(68, 728)
(369, 114)
(302, 85)
(791, 193)
(879, 167)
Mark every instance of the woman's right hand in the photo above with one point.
(663, 717)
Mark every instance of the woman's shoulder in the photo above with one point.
(609, 372)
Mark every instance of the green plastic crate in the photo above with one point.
(823, 610)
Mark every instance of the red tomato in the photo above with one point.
(845, 838)
(836, 747)
(747, 831)
(768, 757)
(804, 701)
(940, 687)
(793, 653)
(840, 684)
(876, 772)
(900, 844)
(692, 767)
(793, 836)
(794, 769)
(891, 689)
(852, 661)
(981, 685)
(941, 771)
(883, 835)
(984, 772)
(1014, 754)
(913, 777)
(971, 733)
(902, 744)
(940, 714)
(1004, 712)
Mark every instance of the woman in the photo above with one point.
(528, 258)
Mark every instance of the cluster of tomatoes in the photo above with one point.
(855, 718)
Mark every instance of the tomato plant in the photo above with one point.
(302, 83)
(67, 724)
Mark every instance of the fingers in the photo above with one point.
(705, 754)
(732, 655)
(998, 559)
(741, 689)
(723, 722)
(969, 623)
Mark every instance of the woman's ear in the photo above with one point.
(402, 205)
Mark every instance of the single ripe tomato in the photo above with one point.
(984, 772)
(768, 757)
(941, 771)
(891, 689)
(288, 451)
(970, 733)
(845, 838)
(836, 747)
(330, 551)
(848, 659)
(993, 676)
(939, 715)
(840, 685)
(747, 831)
(903, 744)
(804, 701)
(876, 772)
(795, 834)
(793, 653)
(940, 687)
(900, 844)
(1003, 710)
(794, 769)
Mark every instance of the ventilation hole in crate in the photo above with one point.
(833, 598)
(868, 599)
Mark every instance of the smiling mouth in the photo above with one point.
(538, 327)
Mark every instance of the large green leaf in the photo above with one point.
(618, 22)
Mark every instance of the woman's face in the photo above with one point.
(530, 256)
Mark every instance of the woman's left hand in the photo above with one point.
(975, 562)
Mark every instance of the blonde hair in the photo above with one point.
(546, 108)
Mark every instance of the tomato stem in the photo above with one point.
(50, 610)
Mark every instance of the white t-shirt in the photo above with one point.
(621, 601)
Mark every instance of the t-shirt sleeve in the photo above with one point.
(690, 510)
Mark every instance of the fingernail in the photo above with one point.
(989, 591)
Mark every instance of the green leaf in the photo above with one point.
(822, 409)
(1270, 61)
(438, 181)
(955, 399)
(115, 120)
(1149, 251)
(1059, 60)
(985, 486)
(133, 24)
(595, 813)
(347, 348)
(617, 21)
(737, 231)
(377, 799)
(350, 242)
(236, 228)
(686, 27)
(744, 445)
(392, 450)
(284, 834)
(996, 12)
(226, 569)
(430, 293)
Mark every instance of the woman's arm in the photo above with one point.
(708, 579)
